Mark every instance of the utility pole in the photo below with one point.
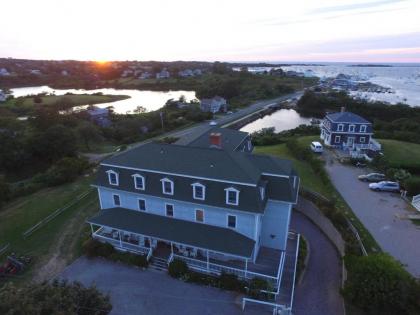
(161, 119)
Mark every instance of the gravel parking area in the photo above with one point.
(382, 213)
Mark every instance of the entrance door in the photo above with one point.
(350, 142)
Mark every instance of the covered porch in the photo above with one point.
(207, 249)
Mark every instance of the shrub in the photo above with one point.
(5, 193)
(57, 297)
(412, 185)
(177, 268)
(231, 282)
(129, 258)
(379, 284)
(65, 170)
(94, 248)
(255, 287)
(200, 278)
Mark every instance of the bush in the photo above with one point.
(64, 171)
(412, 185)
(130, 259)
(94, 248)
(231, 282)
(201, 278)
(5, 193)
(255, 287)
(57, 297)
(177, 268)
(379, 285)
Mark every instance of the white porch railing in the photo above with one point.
(203, 266)
(375, 145)
(122, 245)
(416, 202)
(276, 307)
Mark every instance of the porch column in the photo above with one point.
(91, 228)
(208, 262)
(246, 267)
(172, 248)
(119, 234)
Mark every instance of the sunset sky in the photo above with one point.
(264, 30)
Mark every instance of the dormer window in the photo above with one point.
(351, 128)
(363, 128)
(232, 196)
(112, 177)
(340, 127)
(139, 182)
(167, 186)
(199, 191)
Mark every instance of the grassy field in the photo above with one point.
(401, 154)
(75, 100)
(310, 180)
(54, 245)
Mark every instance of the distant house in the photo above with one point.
(99, 116)
(4, 72)
(145, 75)
(213, 105)
(164, 74)
(294, 74)
(197, 72)
(186, 73)
(348, 131)
(35, 72)
(3, 96)
(64, 73)
(127, 73)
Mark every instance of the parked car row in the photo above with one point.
(378, 182)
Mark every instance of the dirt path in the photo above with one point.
(63, 250)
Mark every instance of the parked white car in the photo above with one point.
(385, 186)
(213, 123)
(317, 147)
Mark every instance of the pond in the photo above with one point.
(151, 100)
(283, 119)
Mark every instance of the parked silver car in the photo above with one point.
(372, 177)
(385, 186)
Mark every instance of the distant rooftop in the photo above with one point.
(231, 139)
(347, 117)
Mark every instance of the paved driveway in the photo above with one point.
(381, 213)
(319, 291)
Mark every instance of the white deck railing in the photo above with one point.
(211, 267)
(416, 202)
(120, 244)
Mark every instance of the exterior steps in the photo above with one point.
(158, 264)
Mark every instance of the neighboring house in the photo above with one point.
(348, 131)
(99, 116)
(3, 96)
(35, 72)
(206, 203)
(145, 75)
(4, 72)
(186, 73)
(164, 74)
(213, 105)
(197, 72)
(64, 73)
(127, 73)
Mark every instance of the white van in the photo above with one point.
(316, 147)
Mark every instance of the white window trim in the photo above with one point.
(135, 176)
(204, 217)
(138, 204)
(340, 127)
(195, 185)
(165, 180)
(113, 200)
(262, 193)
(362, 138)
(337, 139)
(109, 172)
(166, 210)
(227, 221)
(363, 128)
(230, 189)
(352, 128)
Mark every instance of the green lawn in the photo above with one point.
(61, 236)
(401, 154)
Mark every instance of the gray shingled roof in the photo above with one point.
(190, 233)
(190, 161)
(231, 139)
(347, 117)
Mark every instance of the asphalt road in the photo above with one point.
(382, 213)
(319, 291)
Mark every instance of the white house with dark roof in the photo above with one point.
(3, 96)
(210, 203)
(213, 105)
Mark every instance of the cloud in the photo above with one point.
(354, 6)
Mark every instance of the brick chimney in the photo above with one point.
(216, 140)
(343, 109)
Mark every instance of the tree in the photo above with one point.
(379, 285)
(58, 297)
(88, 132)
(4, 191)
(55, 143)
